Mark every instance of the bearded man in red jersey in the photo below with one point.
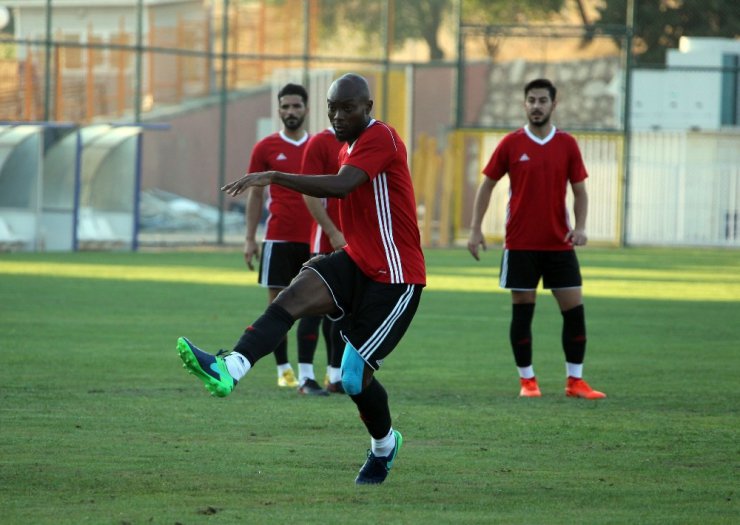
(541, 162)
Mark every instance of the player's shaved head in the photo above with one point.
(349, 106)
(349, 86)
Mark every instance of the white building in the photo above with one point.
(693, 92)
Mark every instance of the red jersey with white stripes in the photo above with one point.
(321, 157)
(289, 219)
(378, 218)
(539, 172)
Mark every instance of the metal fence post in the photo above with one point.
(626, 116)
(47, 65)
(222, 117)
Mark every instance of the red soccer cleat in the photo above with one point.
(529, 387)
(577, 387)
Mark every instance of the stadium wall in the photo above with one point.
(184, 160)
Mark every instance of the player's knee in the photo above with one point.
(353, 367)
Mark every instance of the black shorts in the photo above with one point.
(280, 262)
(522, 269)
(376, 315)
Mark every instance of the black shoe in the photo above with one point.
(335, 388)
(376, 469)
(311, 387)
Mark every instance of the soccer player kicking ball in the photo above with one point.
(375, 281)
(539, 243)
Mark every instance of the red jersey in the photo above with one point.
(539, 172)
(378, 218)
(321, 157)
(289, 219)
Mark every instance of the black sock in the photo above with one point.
(326, 334)
(520, 333)
(265, 334)
(281, 352)
(574, 334)
(308, 338)
(372, 403)
(336, 345)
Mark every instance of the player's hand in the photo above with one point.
(576, 237)
(262, 178)
(251, 250)
(475, 241)
(337, 241)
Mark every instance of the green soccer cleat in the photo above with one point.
(211, 369)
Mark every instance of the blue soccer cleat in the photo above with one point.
(376, 469)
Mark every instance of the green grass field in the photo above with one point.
(100, 424)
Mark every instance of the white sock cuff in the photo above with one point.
(305, 371)
(237, 365)
(526, 372)
(574, 370)
(383, 447)
(335, 374)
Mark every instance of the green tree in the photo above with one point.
(493, 12)
(659, 24)
(509, 11)
(407, 19)
(423, 19)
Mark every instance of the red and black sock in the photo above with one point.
(266, 335)
(574, 334)
(335, 343)
(520, 333)
(308, 337)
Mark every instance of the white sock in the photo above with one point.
(383, 447)
(305, 371)
(574, 370)
(335, 374)
(283, 368)
(237, 365)
(526, 372)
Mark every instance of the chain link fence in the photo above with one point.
(207, 73)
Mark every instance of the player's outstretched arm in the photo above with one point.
(250, 180)
(339, 185)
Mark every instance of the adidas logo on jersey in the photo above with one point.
(524, 157)
(282, 157)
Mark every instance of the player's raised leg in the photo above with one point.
(307, 295)
(211, 369)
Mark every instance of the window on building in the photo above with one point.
(730, 108)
